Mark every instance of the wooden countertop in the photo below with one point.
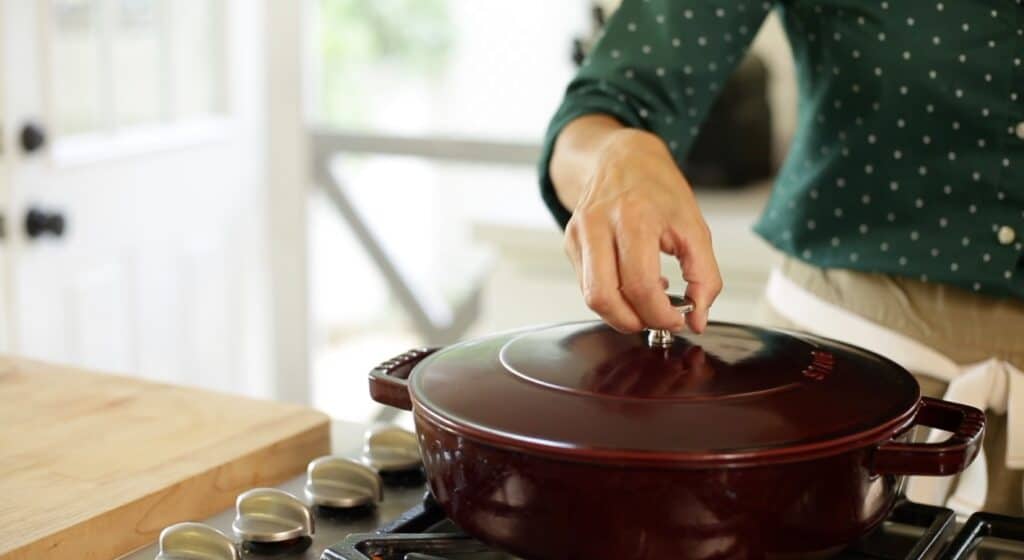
(95, 465)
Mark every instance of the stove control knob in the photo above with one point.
(337, 482)
(388, 448)
(195, 541)
(269, 515)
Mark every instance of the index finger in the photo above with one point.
(639, 247)
(600, 281)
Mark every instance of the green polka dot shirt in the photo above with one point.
(909, 152)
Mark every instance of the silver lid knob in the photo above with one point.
(195, 541)
(267, 515)
(662, 338)
(388, 448)
(338, 482)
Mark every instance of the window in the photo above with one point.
(445, 67)
(123, 64)
(396, 75)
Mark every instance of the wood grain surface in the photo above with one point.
(93, 466)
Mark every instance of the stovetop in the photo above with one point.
(912, 531)
(407, 524)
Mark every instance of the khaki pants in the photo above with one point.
(963, 326)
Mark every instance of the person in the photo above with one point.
(899, 210)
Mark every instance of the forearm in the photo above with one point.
(577, 151)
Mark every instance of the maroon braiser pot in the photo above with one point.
(575, 441)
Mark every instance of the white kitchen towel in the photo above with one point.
(993, 384)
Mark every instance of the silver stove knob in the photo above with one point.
(269, 515)
(388, 448)
(338, 482)
(195, 541)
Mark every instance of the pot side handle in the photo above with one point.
(940, 458)
(388, 380)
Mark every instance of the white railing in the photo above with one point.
(436, 319)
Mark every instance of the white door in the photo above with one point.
(132, 185)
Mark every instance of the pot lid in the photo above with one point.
(731, 394)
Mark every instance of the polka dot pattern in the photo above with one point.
(931, 146)
(909, 152)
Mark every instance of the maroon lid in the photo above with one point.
(732, 393)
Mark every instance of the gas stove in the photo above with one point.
(912, 531)
(377, 507)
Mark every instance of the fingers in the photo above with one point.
(700, 270)
(620, 275)
(640, 280)
(591, 249)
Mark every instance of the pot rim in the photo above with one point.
(677, 459)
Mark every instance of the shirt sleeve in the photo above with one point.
(658, 66)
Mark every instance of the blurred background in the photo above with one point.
(270, 198)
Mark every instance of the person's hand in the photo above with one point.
(636, 203)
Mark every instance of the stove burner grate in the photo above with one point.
(912, 531)
(1006, 534)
